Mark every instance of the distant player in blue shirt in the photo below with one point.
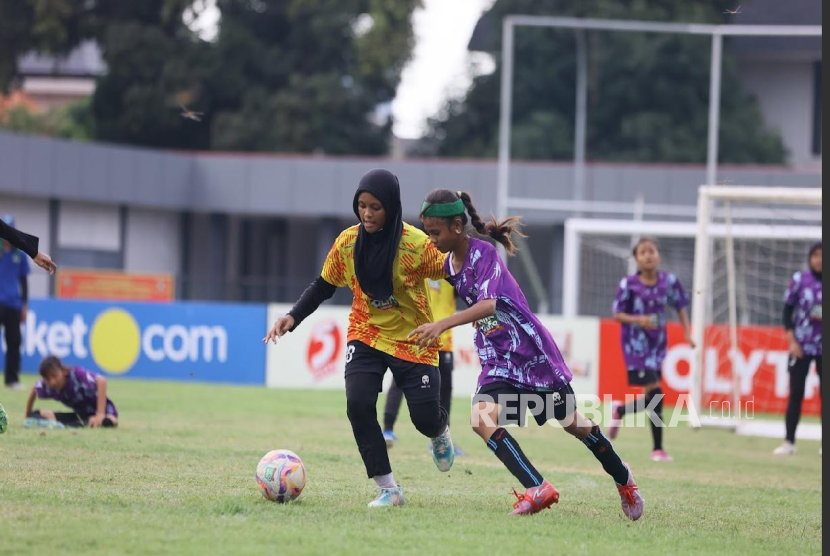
(14, 296)
(29, 245)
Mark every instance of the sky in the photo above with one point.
(440, 64)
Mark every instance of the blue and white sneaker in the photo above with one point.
(35, 423)
(4, 419)
(443, 453)
(390, 438)
(389, 498)
(456, 450)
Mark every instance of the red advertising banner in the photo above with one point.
(112, 285)
(761, 366)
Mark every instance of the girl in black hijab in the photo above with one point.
(385, 262)
(375, 251)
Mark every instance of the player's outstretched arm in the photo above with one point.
(23, 241)
(312, 297)
(29, 245)
(427, 334)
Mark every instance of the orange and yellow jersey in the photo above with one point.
(384, 325)
(442, 302)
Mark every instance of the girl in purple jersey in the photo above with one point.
(83, 391)
(640, 305)
(521, 367)
(802, 321)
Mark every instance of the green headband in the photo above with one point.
(456, 208)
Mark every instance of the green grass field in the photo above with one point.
(178, 478)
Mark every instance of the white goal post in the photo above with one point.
(735, 262)
(718, 208)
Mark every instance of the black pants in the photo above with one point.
(10, 321)
(798, 380)
(421, 384)
(395, 395)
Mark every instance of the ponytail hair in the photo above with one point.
(502, 231)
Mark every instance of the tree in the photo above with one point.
(71, 121)
(288, 75)
(43, 25)
(307, 75)
(648, 93)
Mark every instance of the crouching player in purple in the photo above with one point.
(640, 306)
(83, 391)
(520, 363)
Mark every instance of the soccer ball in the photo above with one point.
(281, 475)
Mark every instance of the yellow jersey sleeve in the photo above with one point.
(334, 268)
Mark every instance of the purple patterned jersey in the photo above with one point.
(80, 393)
(804, 294)
(513, 346)
(644, 350)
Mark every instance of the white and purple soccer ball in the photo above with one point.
(281, 475)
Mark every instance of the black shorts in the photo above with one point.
(637, 377)
(419, 382)
(544, 406)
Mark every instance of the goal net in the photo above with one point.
(748, 244)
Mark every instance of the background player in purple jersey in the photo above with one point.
(802, 321)
(640, 305)
(83, 391)
(520, 362)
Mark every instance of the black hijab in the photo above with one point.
(813, 248)
(374, 254)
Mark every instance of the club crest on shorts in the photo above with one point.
(425, 381)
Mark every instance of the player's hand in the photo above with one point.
(646, 322)
(280, 328)
(45, 262)
(96, 420)
(427, 334)
(24, 311)
(795, 350)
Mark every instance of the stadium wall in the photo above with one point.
(323, 186)
(314, 355)
(255, 227)
(218, 342)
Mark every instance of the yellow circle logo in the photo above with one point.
(115, 341)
